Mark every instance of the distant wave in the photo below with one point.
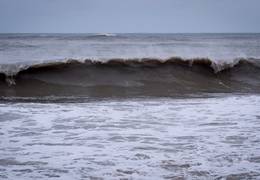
(146, 76)
(95, 36)
(106, 34)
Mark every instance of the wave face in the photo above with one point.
(132, 77)
(43, 65)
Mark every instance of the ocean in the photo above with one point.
(129, 106)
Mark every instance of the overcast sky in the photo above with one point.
(165, 16)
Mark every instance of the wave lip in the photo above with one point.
(217, 66)
(131, 77)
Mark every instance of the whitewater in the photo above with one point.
(129, 106)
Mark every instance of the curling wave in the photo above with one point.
(130, 77)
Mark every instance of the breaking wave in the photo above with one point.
(130, 77)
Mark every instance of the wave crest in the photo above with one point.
(216, 66)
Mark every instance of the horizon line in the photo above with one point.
(129, 32)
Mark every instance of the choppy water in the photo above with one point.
(159, 138)
(111, 117)
(31, 48)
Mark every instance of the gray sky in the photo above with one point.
(165, 16)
